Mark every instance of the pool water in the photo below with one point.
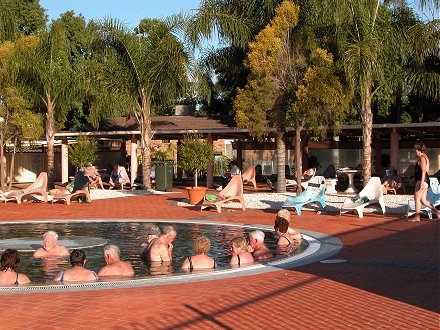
(129, 237)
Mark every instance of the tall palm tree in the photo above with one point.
(49, 81)
(139, 73)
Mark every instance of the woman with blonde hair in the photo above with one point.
(422, 182)
(240, 252)
(202, 245)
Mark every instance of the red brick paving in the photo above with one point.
(390, 280)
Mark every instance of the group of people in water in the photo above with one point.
(158, 249)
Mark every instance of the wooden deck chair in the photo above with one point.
(314, 193)
(371, 194)
(39, 187)
(433, 195)
(78, 187)
(232, 192)
(249, 176)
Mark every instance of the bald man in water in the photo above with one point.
(51, 248)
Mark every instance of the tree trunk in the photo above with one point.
(145, 123)
(196, 175)
(281, 162)
(50, 138)
(298, 166)
(367, 130)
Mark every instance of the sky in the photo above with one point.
(129, 11)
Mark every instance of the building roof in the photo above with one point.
(173, 127)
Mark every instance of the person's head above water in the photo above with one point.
(112, 253)
(50, 239)
(77, 258)
(281, 225)
(9, 260)
(202, 245)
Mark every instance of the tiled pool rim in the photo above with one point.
(321, 247)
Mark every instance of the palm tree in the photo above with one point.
(48, 79)
(139, 73)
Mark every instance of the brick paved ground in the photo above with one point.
(391, 279)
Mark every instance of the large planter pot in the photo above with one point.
(196, 194)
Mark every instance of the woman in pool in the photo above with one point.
(202, 245)
(286, 241)
(77, 273)
(422, 182)
(8, 276)
(240, 252)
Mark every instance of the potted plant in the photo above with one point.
(195, 153)
(84, 152)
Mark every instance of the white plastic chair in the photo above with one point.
(371, 194)
(433, 195)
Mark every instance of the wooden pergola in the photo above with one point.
(223, 127)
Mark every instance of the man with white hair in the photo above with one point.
(51, 248)
(115, 266)
(260, 250)
(162, 248)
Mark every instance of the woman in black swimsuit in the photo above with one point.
(8, 276)
(202, 245)
(422, 182)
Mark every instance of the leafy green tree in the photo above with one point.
(20, 17)
(195, 153)
(265, 99)
(363, 37)
(20, 123)
(84, 152)
(139, 73)
(50, 82)
(319, 99)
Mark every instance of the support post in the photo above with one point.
(240, 154)
(64, 161)
(394, 149)
(210, 167)
(133, 160)
(378, 154)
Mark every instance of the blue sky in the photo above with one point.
(129, 11)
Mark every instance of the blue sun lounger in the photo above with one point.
(314, 193)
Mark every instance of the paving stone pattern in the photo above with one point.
(390, 280)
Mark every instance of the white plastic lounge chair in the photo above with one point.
(433, 195)
(233, 191)
(314, 193)
(78, 187)
(371, 194)
(39, 187)
(308, 177)
(249, 176)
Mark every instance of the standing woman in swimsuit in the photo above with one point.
(240, 252)
(8, 276)
(202, 245)
(422, 182)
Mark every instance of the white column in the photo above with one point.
(133, 160)
(64, 162)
